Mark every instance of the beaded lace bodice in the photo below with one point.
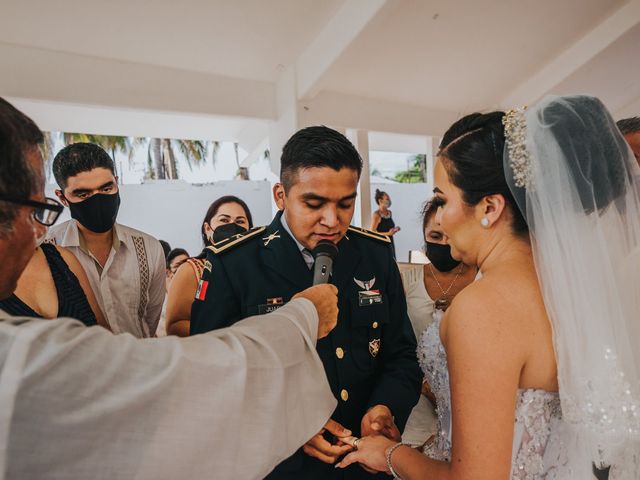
(538, 415)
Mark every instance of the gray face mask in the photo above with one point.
(387, 203)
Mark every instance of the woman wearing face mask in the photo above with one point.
(382, 220)
(427, 299)
(225, 217)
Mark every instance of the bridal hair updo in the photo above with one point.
(472, 154)
(595, 150)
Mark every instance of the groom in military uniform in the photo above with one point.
(370, 357)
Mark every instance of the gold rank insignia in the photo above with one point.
(207, 265)
(374, 347)
(369, 234)
(228, 243)
(270, 238)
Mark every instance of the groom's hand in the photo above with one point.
(379, 421)
(318, 447)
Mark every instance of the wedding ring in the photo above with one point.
(356, 442)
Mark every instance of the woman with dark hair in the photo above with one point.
(428, 297)
(175, 258)
(382, 219)
(225, 210)
(227, 215)
(535, 366)
(444, 276)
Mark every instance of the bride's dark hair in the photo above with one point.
(472, 153)
(593, 146)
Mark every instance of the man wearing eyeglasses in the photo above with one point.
(80, 403)
(126, 267)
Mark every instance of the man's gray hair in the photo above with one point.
(18, 181)
(629, 125)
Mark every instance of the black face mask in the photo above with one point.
(98, 212)
(440, 256)
(226, 230)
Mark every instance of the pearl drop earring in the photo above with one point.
(484, 222)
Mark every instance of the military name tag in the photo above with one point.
(369, 297)
(271, 306)
(262, 309)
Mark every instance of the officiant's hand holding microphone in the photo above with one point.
(325, 299)
(323, 295)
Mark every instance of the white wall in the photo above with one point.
(173, 210)
(406, 203)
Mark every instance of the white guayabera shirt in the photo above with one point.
(130, 288)
(81, 403)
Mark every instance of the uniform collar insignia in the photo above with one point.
(272, 236)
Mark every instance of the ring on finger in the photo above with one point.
(356, 442)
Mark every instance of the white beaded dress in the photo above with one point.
(536, 453)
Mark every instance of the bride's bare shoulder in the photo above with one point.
(494, 308)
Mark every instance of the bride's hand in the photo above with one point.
(371, 453)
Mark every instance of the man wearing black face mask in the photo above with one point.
(125, 266)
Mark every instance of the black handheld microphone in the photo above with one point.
(323, 256)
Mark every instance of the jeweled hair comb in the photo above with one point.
(515, 132)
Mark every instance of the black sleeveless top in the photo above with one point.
(72, 302)
(385, 225)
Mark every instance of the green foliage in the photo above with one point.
(111, 143)
(416, 172)
(46, 150)
(161, 152)
(162, 156)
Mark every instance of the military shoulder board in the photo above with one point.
(369, 233)
(232, 241)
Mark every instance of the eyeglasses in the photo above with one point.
(46, 212)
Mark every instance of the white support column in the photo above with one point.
(362, 145)
(432, 151)
(286, 123)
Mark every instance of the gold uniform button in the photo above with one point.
(344, 395)
(375, 325)
(339, 353)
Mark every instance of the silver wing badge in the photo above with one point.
(365, 285)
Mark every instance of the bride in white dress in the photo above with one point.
(535, 366)
(428, 295)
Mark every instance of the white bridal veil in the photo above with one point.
(575, 179)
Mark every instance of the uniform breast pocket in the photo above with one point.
(367, 324)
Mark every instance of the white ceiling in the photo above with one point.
(400, 66)
(246, 39)
(613, 74)
(461, 56)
